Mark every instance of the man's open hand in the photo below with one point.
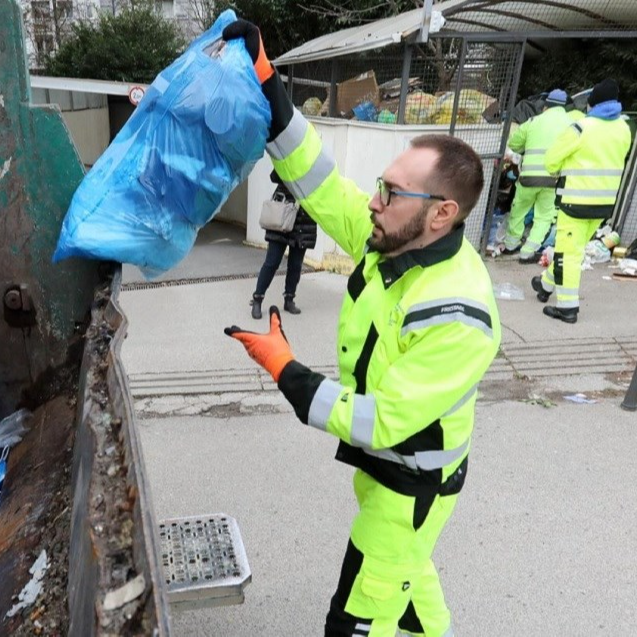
(272, 350)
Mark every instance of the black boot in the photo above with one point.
(568, 315)
(257, 299)
(530, 259)
(289, 306)
(542, 294)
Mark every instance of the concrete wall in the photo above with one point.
(235, 209)
(90, 132)
(362, 151)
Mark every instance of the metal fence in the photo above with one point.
(459, 86)
(625, 219)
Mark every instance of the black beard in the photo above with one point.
(391, 242)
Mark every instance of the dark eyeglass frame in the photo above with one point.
(382, 188)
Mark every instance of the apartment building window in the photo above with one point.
(41, 11)
(165, 7)
(44, 44)
(64, 9)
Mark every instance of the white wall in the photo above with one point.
(362, 151)
(236, 206)
(89, 131)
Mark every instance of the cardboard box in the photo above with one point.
(356, 90)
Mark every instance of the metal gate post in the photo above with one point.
(404, 84)
(290, 86)
(456, 97)
(333, 88)
(506, 109)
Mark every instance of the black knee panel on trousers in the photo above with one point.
(558, 268)
(338, 622)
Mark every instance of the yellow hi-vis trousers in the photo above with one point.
(542, 200)
(565, 272)
(388, 582)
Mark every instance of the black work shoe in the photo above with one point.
(542, 294)
(567, 315)
(289, 306)
(257, 299)
(534, 258)
(514, 251)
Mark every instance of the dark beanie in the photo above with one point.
(603, 92)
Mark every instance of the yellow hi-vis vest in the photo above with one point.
(589, 157)
(533, 138)
(416, 334)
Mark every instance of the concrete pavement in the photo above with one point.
(542, 541)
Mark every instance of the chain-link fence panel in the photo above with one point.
(447, 85)
(625, 221)
(483, 96)
(628, 229)
(363, 87)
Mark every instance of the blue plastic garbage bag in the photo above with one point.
(12, 428)
(195, 135)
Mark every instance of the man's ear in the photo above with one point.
(445, 215)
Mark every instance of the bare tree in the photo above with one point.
(354, 12)
(201, 14)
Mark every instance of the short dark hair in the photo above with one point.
(458, 173)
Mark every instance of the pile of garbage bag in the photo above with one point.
(12, 429)
(424, 108)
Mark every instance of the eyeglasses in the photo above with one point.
(386, 193)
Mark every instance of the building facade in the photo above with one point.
(48, 22)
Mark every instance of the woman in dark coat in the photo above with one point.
(298, 240)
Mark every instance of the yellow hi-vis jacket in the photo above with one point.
(589, 156)
(533, 138)
(416, 334)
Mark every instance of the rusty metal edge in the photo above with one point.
(144, 504)
(83, 565)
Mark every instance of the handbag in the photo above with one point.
(278, 214)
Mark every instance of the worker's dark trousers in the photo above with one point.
(388, 581)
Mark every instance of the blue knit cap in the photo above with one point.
(556, 97)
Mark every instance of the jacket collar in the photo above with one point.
(444, 248)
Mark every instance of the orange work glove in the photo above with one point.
(254, 45)
(272, 350)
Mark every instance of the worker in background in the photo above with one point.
(535, 187)
(589, 158)
(418, 329)
(575, 115)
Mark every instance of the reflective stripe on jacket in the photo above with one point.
(533, 138)
(589, 157)
(416, 334)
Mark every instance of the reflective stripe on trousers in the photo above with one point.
(402, 633)
(566, 270)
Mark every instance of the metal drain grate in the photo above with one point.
(204, 561)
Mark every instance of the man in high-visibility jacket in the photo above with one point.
(418, 329)
(589, 158)
(535, 188)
